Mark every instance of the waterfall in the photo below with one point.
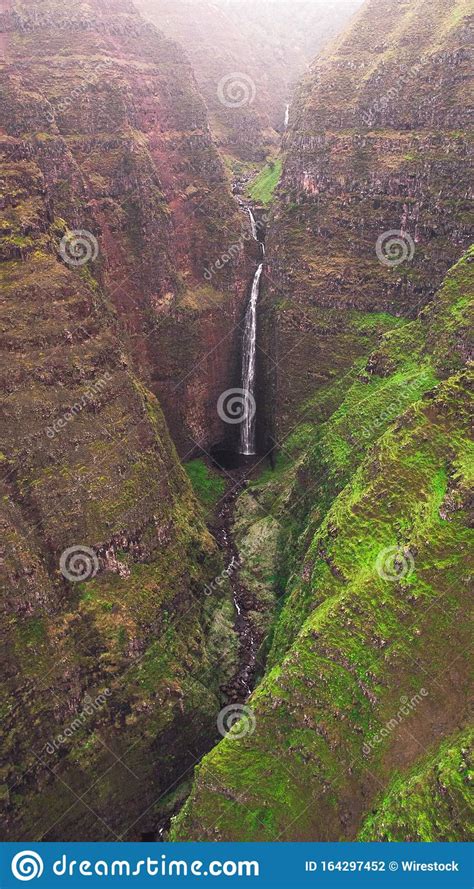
(287, 116)
(253, 224)
(249, 357)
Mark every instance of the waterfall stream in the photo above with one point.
(249, 356)
(253, 224)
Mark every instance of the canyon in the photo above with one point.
(248, 58)
(303, 571)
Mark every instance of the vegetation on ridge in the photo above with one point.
(388, 474)
(430, 804)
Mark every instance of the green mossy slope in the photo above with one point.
(262, 189)
(432, 803)
(408, 362)
(370, 648)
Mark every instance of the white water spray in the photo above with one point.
(249, 356)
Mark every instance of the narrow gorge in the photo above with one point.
(237, 278)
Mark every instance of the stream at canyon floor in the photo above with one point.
(250, 637)
(250, 640)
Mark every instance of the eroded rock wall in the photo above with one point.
(374, 199)
(114, 203)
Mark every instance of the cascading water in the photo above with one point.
(287, 116)
(249, 357)
(253, 224)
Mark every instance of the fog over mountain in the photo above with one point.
(257, 50)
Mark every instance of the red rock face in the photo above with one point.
(373, 201)
(119, 141)
(114, 205)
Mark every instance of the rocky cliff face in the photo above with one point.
(248, 57)
(360, 719)
(114, 205)
(115, 137)
(373, 202)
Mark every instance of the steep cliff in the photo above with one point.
(114, 202)
(102, 113)
(248, 57)
(374, 199)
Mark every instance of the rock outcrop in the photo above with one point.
(375, 193)
(112, 137)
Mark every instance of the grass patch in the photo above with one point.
(262, 189)
(207, 483)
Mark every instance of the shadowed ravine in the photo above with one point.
(239, 689)
(241, 685)
(237, 467)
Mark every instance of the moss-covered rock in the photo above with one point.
(368, 663)
(433, 803)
